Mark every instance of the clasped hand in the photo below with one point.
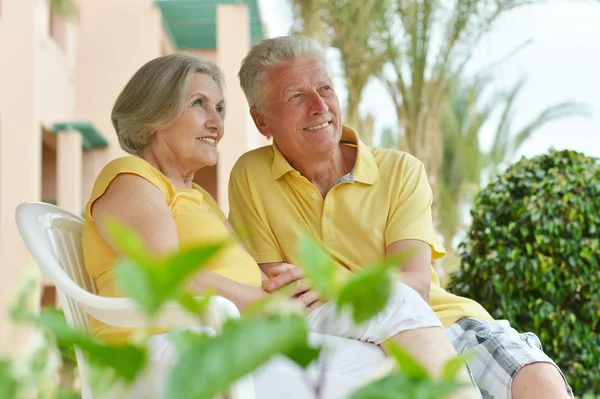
(291, 277)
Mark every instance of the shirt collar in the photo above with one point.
(365, 169)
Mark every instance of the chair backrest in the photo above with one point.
(53, 237)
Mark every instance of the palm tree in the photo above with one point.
(507, 141)
(308, 14)
(464, 162)
(429, 43)
(353, 24)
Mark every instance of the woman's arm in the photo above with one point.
(141, 206)
(263, 276)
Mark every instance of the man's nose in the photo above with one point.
(318, 106)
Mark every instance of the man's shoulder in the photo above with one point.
(390, 158)
(257, 161)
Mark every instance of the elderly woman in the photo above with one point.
(169, 117)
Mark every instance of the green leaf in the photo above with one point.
(8, 383)
(128, 242)
(153, 281)
(173, 270)
(304, 355)
(398, 386)
(407, 363)
(319, 268)
(211, 364)
(375, 283)
(390, 387)
(195, 305)
(126, 360)
(69, 394)
(439, 389)
(453, 366)
(137, 284)
(184, 339)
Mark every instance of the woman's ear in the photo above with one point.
(260, 122)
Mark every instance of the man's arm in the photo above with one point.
(416, 272)
(410, 225)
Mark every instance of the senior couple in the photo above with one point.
(360, 203)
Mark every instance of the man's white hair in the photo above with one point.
(271, 52)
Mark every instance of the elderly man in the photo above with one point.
(361, 204)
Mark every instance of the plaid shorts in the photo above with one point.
(499, 352)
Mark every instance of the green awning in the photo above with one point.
(193, 23)
(91, 137)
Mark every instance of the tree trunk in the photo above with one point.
(424, 141)
(352, 116)
(367, 129)
(312, 23)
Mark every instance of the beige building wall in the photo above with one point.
(114, 39)
(55, 71)
(20, 149)
(240, 133)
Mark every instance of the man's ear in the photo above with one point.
(260, 122)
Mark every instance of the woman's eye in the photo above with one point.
(198, 103)
(220, 109)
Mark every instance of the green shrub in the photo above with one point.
(531, 256)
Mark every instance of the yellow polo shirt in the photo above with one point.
(384, 199)
(198, 221)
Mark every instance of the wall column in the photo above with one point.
(68, 171)
(231, 50)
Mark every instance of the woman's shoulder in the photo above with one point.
(131, 165)
(125, 164)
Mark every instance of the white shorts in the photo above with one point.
(405, 311)
(349, 364)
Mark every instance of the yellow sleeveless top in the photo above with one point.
(198, 220)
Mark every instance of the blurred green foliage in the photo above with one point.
(532, 254)
(209, 364)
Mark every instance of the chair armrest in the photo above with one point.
(126, 313)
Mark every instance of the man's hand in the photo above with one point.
(291, 277)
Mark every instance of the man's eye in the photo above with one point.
(297, 95)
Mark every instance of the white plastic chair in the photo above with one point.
(53, 237)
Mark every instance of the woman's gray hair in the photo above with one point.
(270, 52)
(155, 96)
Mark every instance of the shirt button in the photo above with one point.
(314, 195)
(326, 220)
